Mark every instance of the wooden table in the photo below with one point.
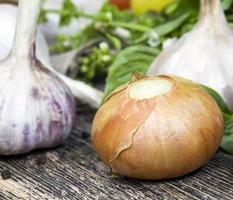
(73, 171)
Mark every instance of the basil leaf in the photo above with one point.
(68, 11)
(227, 141)
(172, 25)
(221, 103)
(132, 59)
(226, 4)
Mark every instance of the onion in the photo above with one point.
(157, 127)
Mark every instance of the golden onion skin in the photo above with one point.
(162, 137)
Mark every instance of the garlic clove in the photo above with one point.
(62, 62)
(203, 55)
(83, 91)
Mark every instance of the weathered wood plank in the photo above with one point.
(73, 171)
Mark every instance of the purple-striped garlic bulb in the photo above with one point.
(37, 110)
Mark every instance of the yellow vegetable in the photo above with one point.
(140, 6)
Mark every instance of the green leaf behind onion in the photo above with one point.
(132, 59)
(227, 141)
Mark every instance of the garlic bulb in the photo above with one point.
(37, 110)
(8, 15)
(157, 127)
(204, 55)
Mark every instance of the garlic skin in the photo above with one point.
(7, 21)
(203, 55)
(82, 91)
(157, 127)
(8, 15)
(37, 110)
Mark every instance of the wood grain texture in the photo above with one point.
(73, 171)
(9, 1)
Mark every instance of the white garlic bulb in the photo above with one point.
(8, 15)
(204, 55)
(37, 110)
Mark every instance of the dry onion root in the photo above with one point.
(157, 127)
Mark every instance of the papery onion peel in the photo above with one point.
(157, 127)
